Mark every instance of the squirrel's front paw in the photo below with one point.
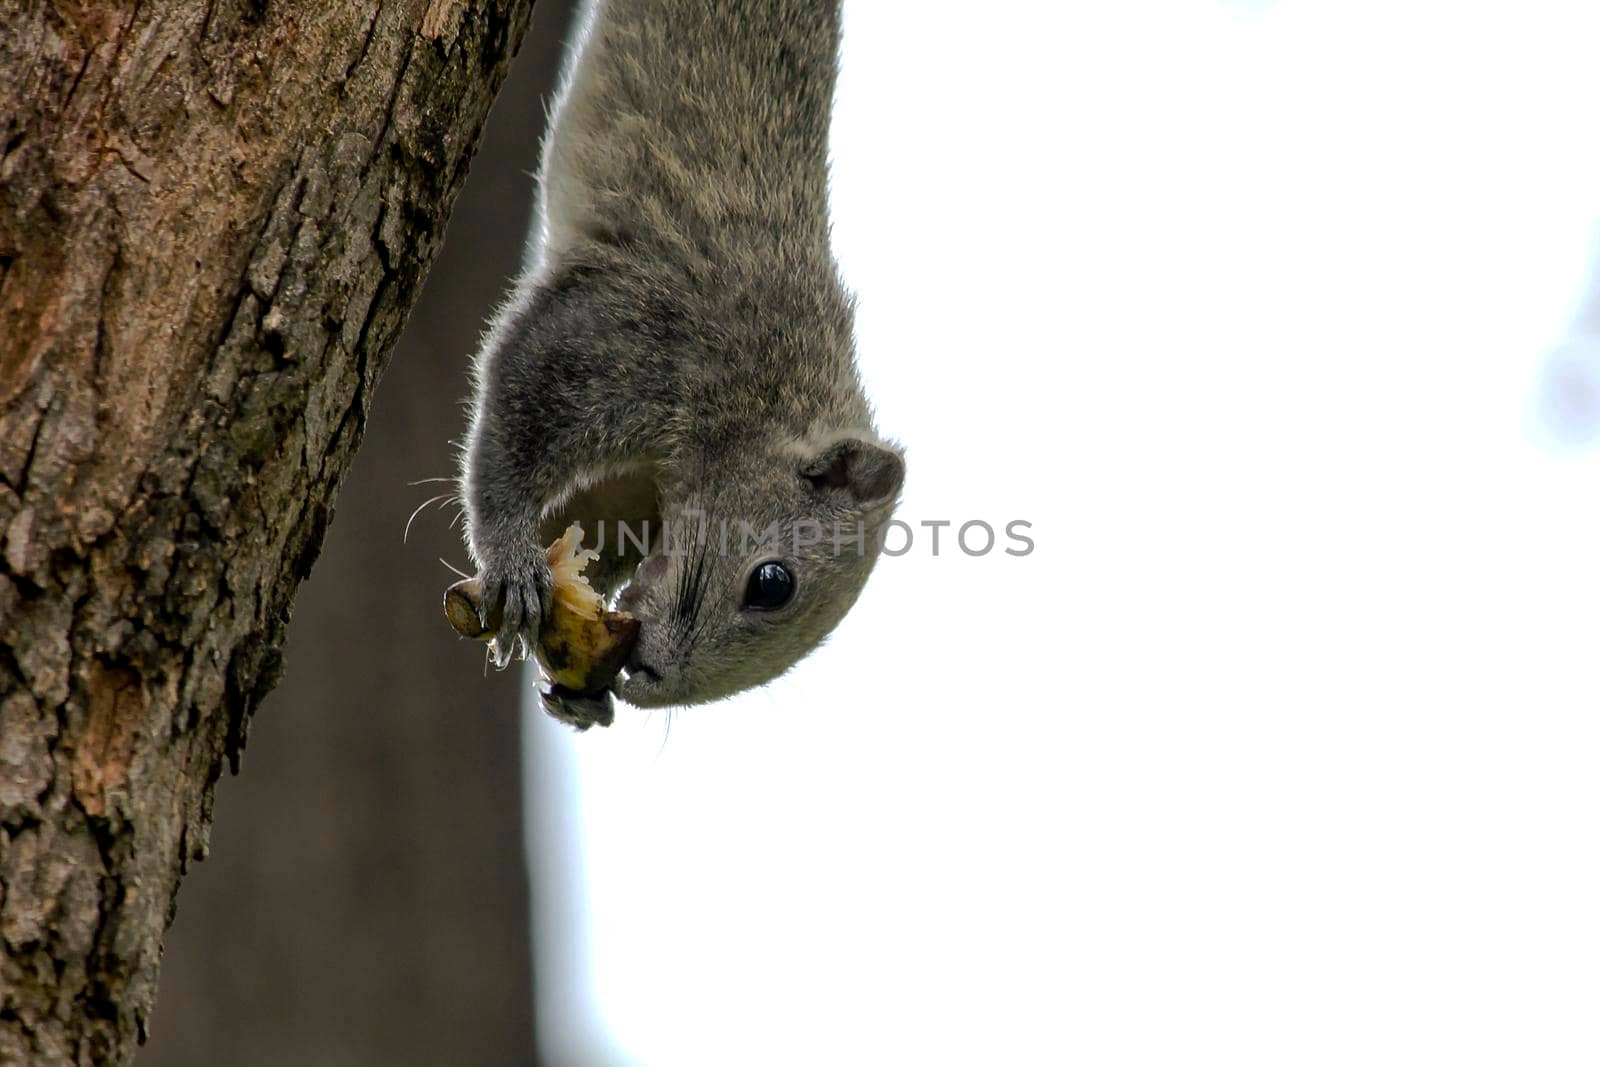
(510, 605)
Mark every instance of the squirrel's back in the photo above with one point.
(697, 125)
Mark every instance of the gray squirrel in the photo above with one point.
(679, 351)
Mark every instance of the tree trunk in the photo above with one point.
(397, 932)
(214, 218)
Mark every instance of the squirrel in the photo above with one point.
(678, 355)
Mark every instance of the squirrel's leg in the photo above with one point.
(549, 410)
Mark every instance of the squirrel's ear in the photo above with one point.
(869, 471)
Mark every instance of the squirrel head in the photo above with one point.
(758, 568)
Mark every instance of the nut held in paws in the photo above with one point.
(582, 646)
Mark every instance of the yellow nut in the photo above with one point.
(581, 645)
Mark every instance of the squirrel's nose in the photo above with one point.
(637, 666)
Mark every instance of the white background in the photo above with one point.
(1283, 746)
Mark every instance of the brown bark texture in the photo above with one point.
(214, 218)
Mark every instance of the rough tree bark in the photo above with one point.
(214, 217)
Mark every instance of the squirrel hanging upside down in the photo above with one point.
(678, 356)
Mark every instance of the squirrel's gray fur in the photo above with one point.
(679, 345)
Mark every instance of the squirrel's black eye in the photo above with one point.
(771, 586)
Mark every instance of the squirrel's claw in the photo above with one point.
(519, 600)
(504, 610)
(578, 710)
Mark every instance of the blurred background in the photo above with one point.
(1276, 324)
